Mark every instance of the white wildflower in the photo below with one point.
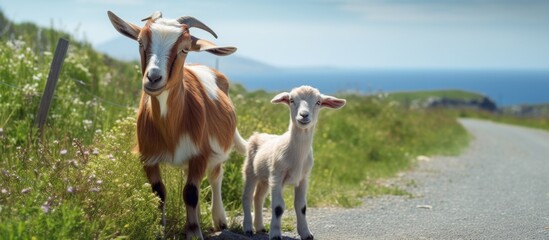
(37, 77)
(77, 101)
(73, 163)
(46, 207)
(15, 44)
(87, 123)
(30, 90)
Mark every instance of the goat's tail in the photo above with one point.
(239, 143)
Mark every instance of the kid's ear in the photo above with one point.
(332, 102)
(281, 98)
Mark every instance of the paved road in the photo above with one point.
(497, 189)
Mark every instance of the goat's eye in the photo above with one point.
(318, 103)
(291, 100)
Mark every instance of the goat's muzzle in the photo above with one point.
(154, 75)
(303, 118)
(153, 82)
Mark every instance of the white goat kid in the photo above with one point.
(274, 161)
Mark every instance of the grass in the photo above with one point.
(81, 180)
(540, 122)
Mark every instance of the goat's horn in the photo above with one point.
(193, 22)
(154, 16)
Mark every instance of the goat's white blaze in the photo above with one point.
(207, 78)
(163, 102)
(164, 33)
(185, 150)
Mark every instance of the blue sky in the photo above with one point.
(343, 34)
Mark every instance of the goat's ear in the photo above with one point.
(127, 29)
(199, 45)
(281, 98)
(332, 102)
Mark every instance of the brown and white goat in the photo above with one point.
(185, 116)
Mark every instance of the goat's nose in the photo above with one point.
(304, 114)
(154, 75)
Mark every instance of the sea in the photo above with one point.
(505, 87)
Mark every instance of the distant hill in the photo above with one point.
(124, 49)
(444, 98)
(424, 95)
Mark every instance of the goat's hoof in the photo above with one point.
(193, 231)
(262, 230)
(249, 233)
(276, 238)
(222, 226)
(310, 237)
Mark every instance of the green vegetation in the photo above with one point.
(81, 179)
(540, 122)
(534, 116)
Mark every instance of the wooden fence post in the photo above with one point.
(55, 70)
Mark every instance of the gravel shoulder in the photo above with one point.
(497, 189)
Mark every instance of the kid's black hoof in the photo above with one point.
(310, 237)
(222, 226)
